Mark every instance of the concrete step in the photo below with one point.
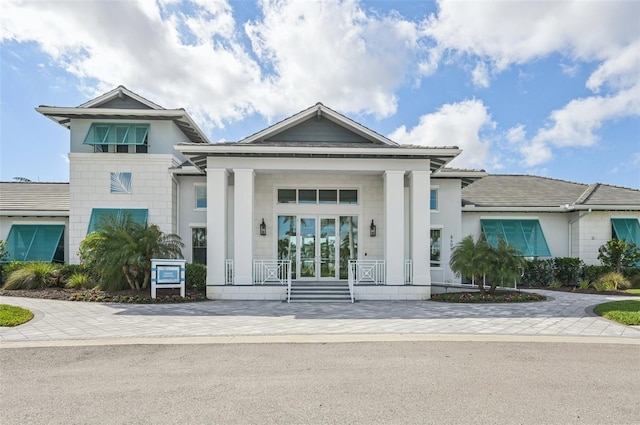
(313, 292)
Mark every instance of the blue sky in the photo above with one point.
(544, 88)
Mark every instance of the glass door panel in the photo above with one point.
(287, 240)
(348, 243)
(307, 248)
(327, 241)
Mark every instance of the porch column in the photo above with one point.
(243, 226)
(217, 180)
(394, 226)
(420, 191)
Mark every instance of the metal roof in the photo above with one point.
(27, 198)
(525, 191)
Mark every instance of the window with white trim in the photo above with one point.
(201, 197)
(435, 249)
(199, 245)
(433, 201)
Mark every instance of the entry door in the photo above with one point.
(318, 248)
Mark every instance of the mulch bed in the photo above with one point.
(129, 295)
(577, 290)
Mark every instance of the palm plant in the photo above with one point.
(124, 248)
(505, 264)
(471, 258)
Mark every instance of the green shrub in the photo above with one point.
(592, 273)
(567, 270)
(80, 281)
(555, 284)
(538, 272)
(584, 285)
(10, 267)
(632, 274)
(196, 274)
(37, 275)
(611, 281)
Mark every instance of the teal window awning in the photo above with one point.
(117, 134)
(525, 235)
(36, 242)
(626, 229)
(99, 215)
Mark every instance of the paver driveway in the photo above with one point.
(563, 315)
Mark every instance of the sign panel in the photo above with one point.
(168, 274)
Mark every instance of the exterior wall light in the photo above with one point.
(372, 229)
(263, 228)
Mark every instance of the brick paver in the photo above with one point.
(563, 315)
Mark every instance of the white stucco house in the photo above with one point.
(315, 199)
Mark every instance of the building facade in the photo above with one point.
(315, 198)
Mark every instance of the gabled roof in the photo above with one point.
(123, 104)
(30, 198)
(527, 193)
(318, 111)
(120, 92)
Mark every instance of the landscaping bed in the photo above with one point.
(498, 297)
(578, 290)
(127, 296)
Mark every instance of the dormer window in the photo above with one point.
(118, 137)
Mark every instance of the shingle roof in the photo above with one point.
(30, 197)
(532, 191)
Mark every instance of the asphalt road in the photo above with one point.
(337, 383)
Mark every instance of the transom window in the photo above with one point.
(318, 196)
(118, 137)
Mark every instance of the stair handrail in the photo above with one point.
(288, 281)
(352, 266)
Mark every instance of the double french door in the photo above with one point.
(318, 246)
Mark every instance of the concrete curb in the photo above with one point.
(322, 339)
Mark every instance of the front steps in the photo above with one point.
(334, 292)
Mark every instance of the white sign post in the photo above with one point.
(167, 274)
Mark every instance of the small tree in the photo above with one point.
(471, 258)
(506, 262)
(125, 248)
(4, 251)
(619, 254)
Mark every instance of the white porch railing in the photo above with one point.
(228, 272)
(408, 272)
(366, 271)
(272, 271)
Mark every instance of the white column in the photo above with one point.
(217, 182)
(420, 192)
(394, 226)
(243, 226)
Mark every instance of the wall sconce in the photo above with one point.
(263, 228)
(372, 229)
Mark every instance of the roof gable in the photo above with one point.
(318, 125)
(120, 98)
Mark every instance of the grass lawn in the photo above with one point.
(11, 315)
(626, 312)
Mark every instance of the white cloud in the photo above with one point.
(507, 33)
(456, 124)
(303, 52)
(480, 75)
(516, 134)
(334, 53)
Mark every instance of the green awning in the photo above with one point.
(36, 242)
(98, 215)
(626, 229)
(116, 134)
(525, 235)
